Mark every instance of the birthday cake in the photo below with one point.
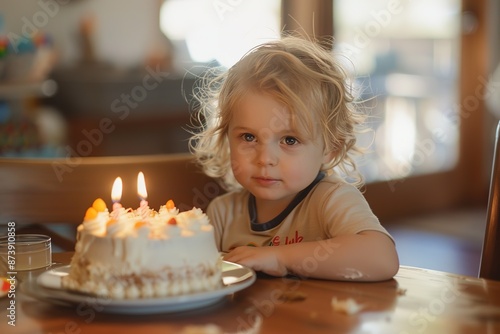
(144, 253)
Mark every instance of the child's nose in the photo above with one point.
(267, 155)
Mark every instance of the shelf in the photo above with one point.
(20, 90)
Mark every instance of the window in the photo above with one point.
(219, 30)
(406, 54)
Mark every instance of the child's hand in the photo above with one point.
(264, 259)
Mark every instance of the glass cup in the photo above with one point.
(23, 252)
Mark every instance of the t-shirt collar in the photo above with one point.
(252, 208)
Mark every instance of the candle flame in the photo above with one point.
(116, 191)
(141, 186)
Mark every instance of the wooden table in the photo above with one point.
(415, 301)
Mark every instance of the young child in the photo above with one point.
(279, 131)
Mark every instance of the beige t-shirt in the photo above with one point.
(331, 208)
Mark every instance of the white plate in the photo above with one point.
(48, 287)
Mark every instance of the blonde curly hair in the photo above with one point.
(300, 74)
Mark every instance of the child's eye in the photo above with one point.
(290, 140)
(248, 137)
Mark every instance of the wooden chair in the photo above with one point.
(490, 257)
(38, 192)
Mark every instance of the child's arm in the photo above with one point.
(366, 256)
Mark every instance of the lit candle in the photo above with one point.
(141, 189)
(116, 193)
(143, 195)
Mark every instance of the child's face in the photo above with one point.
(269, 158)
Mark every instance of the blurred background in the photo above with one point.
(109, 77)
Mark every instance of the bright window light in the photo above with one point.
(220, 30)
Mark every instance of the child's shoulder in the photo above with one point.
(334, 191)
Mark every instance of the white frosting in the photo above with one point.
(193, 219)
(97, 225)
(133, 258)
(120, 223)
(166, 214)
